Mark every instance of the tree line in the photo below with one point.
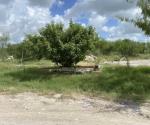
(101, 47)
(68, 46)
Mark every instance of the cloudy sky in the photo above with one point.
(19, 17)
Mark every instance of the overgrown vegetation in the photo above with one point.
(67, 47)
(126, 49)
(101, 48)
(112, 82)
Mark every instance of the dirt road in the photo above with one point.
(32, 109)
(133, 63)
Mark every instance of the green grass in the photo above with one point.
(117, 83)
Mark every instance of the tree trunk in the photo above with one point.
(22, 58)
(128, 63)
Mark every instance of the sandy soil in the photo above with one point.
(33, 109)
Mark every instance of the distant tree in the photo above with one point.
(143, 22)
(34, 47)
(106, 47)
(3, 45)
(140, 47)
(147, 47)
(126, 48)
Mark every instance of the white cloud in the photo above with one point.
(26, 20)
(124, 31)
(106, 9)
(5, 1)
(60, 2)
(25, 16)
(121, 28)
(97, 20)
(102, 7)
(41, 3)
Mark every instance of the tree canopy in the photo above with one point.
(143, 22)
(64, 46)
(126, 48)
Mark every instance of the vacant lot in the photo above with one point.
(127, 92)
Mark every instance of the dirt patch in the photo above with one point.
(32, 109)
(133, 63)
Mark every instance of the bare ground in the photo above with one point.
(33, 109)
(133, 63)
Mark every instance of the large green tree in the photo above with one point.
(64, 46)
(68, 46)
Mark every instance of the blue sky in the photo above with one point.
(27, 16)
(59, 9)
(83, 18)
